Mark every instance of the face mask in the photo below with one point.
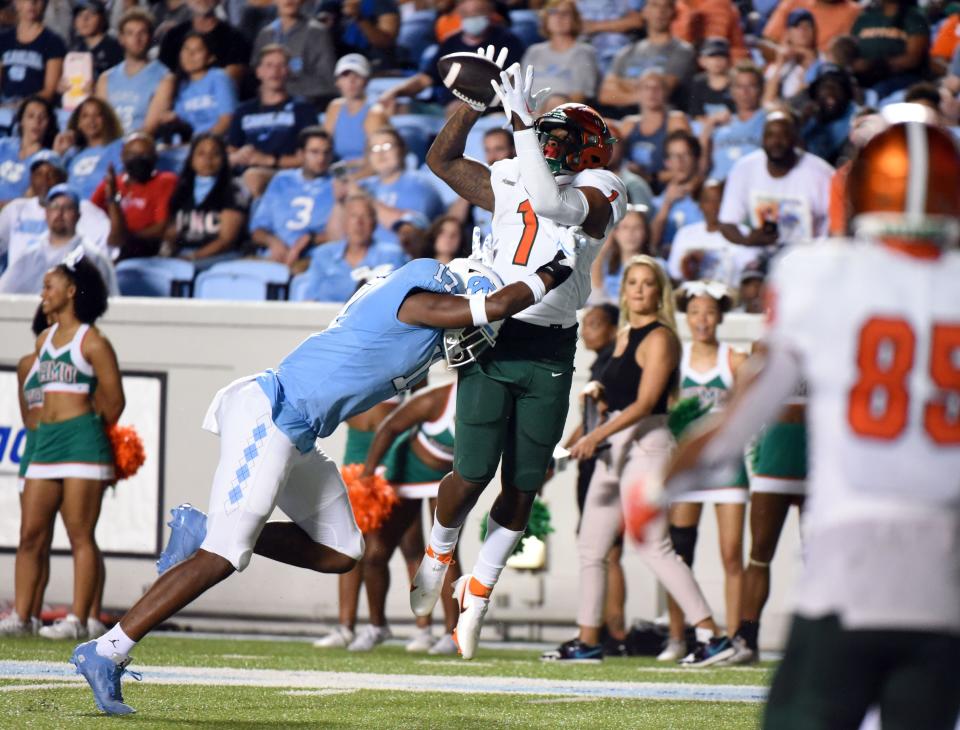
(140, 167)
(475, 25)
(202, 185)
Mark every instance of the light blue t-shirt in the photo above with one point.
(130, 95)
(364, 357)
(410, 191)
(87, 167)
(293, 205)
(735, 140)
(200, 103)
(331, 277)
(14, 172)
(682, 212)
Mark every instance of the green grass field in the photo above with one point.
(254, 683)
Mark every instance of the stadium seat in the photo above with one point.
(298, 288)
(155, 277)
(416, 33)
(228, 285)
(429, 123)
(414, 136)
(379, 84)
(525, 25)
(275, 276)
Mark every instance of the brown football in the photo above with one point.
(468, 76)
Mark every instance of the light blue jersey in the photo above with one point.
(87, 168)
(130, 95)
(364, 357)
(410, 191)
(293, 205)
(682, 212)
(200, 103)
(14, 172)
(734, 140)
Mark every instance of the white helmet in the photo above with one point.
(464, 345)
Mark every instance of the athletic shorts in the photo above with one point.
(358, 444)
(77, 448)
(512, 403)
(261, 469)
(411, 478)
(778, 463)
(29, 443)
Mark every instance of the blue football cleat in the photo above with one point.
(103, 675)
(574, 652)
(188, 528)
(716, 651)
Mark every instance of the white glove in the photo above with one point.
(514, 93)
(571, 241)
(482, 250)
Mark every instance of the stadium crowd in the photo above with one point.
(295, 132)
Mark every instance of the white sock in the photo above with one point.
(494, 552)
(115, 642)
(443, 539)
(703, 635)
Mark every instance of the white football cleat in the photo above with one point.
(421, 641)
(11, 625)
(674, 651)
(339, 638)
(427, 583)
(469, 594)
(69, 627)
(445, 646)
(370, 637)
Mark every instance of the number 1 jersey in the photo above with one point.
(525, 241)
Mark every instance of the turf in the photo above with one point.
(250, 707)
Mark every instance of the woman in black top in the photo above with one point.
(636, 386)
(210, 207)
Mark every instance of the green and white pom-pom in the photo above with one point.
(538, 525)
(684, 414)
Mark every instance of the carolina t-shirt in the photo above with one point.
(24, 64)
(200, 103)
(272, 128)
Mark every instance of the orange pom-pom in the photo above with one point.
(128, 453)
(372, 498)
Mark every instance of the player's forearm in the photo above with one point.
(568, 207)
(452, 140)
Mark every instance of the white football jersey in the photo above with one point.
(878, 336)
(524, 241)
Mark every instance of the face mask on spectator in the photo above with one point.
(475, 25)
(140, 167)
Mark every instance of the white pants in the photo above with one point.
(261, 469)
(634, 453)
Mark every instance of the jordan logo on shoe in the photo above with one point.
(114, 642)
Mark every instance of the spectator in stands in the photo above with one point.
(609, 25)
(263, 131)
(168, 14)
(950, 90)
(700, 251)
(646, 133)
(131, 85)
(337, 269)
(227, 47)
(90, 143)
(394, 189)
(725, 142)
(673, 58)
(445, 240)
(946, 41)
(351, 119)
(698, 20)
(35, 127)
(478, 31)
(31, 56)
(779, 191)
(894, 39)
(62, 207)
(710, 90)
(677, 205)
(199, 98)
(638, 189)
(630, 238)
(310, 49)
(832, 18)
(411, 229)
(368, 27)
(825, 132)
(90, 35)
(138, 201)
(563, 64)
(786, 75)
(750, 297)
(866, 123)
(24, 220)
(293, 213)
(209, 207)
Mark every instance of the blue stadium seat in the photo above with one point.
(226, 285)
(429, 123)
(525, 25)
(274, 276)
(298, 287)
(416, 33)
(415, 136)
(379, 84)
(155, 277)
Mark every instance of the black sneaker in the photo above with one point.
(614, 647)
(717, 650)
(575, 652)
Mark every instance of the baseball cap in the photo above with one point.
(799, 16)
(49, 157)
(715, 47)
(95, 5)
(62, 189)
(353, 62)
(414, 218)
(832, 70)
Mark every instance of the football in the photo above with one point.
(468, 76)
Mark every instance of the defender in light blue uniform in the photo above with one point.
(383, 341)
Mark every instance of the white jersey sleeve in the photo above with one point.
(612, 188)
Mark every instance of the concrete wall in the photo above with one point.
(202, 345)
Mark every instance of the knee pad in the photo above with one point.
(684, 541)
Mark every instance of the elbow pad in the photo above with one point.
(569, 206)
